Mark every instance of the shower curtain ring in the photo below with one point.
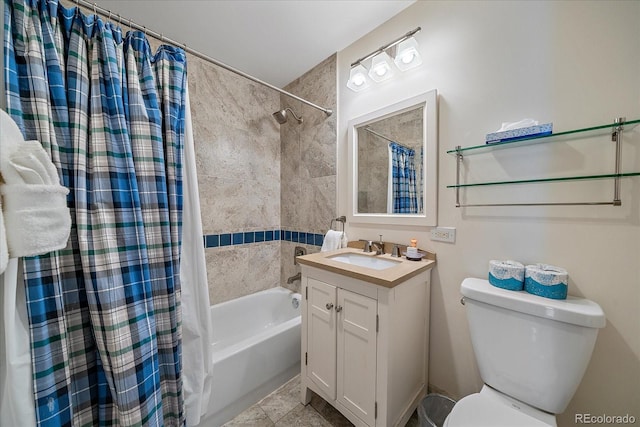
(109, 18)
(95, 10)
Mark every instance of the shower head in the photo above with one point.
(281, 116)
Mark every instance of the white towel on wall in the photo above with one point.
(10, 137)
(36, 217)
(34, 205)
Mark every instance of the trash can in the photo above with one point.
(433, 410)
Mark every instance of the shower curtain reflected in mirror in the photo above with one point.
(105, 312)
(403, 194)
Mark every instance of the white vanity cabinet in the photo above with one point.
(365, 346)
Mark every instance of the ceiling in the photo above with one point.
(273, 40)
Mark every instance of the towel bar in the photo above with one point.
(341, 219)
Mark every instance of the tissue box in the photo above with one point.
(527, 132)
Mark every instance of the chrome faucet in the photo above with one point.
(379, 245)
(396, 251)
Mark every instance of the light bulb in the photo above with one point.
(358, 78)
(381, 68)
(407, 55)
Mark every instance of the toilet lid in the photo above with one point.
(479, 411)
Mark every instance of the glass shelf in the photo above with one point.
(556, 137)
(539, 180)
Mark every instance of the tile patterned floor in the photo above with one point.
(282, 408)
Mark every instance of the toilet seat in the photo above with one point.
(481, 410)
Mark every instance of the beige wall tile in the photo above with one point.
(235, 271)
(255, 174)
(308, 161)
(237, 145)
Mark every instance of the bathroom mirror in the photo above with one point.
(393, 162)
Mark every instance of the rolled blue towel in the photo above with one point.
(546, 281)
(506, 274)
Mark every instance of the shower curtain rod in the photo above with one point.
(109, 15)
(368, 129)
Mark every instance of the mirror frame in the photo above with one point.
(429, 102)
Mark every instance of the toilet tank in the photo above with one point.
(531, 348)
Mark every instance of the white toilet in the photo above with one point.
(531, 351)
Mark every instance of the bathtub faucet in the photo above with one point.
(292, 279)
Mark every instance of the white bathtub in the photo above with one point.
(256, 349)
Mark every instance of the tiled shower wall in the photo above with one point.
(264, 187)
(308, 162)
(237, 145)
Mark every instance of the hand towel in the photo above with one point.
(30, 165)
(343, 240)
(332, 241)
(35, 211)
(36, 217)
(10, 137)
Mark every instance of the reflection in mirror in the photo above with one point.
(390, 161)
(393, 163)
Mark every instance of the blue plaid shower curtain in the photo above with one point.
(403, 178)
(104, 312)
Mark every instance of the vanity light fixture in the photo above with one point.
(382, 68)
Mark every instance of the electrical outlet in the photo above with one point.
(444, 234)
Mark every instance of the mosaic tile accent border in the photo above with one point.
(246, 237)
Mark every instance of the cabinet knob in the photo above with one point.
(329, 306)
(338, 309)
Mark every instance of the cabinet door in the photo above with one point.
(357, 354)
(321, 336)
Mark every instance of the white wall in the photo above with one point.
(576, 64)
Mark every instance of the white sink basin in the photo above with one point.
(365, 261)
